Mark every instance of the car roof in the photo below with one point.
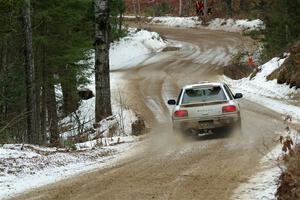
(203, 84)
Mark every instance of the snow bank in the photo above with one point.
(187, 22)
(23, 168)
(268, 93)
(134, 48)
(239, 25)
(229, 25)
(128, 52)
(263, 185)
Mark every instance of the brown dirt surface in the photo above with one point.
(289, 72)
(238, 71)
(168, 166)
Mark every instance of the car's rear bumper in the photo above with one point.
(209, 122)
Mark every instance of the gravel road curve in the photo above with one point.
(167, 166)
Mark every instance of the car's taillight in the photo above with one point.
(230, 108)
(181, 113)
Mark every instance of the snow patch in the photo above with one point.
(268, 93)
(187, 22)
(229, 25)
(128, 52)
(263, 185)
(24, 169)
(135, 48)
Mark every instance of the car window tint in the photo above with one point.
(203, 94)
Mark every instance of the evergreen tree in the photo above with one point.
(283, 25)
(61, 36)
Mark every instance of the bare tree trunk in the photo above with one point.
(242, 4)
(102, 79)
(205, 9)
(229, 7)
(2, 52)
(205, 12)
(139, 8)
(120, 22)
(30, 77)
(38, 89)
(180, 8)
(134, 8)
(69, 90)
(38, 110)
(3, 72)
(43, 101)
(52, 113)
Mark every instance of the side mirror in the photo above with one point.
(171, 102)
(238, 95)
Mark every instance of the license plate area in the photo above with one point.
(206, 124)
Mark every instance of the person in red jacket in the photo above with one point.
(250, 61)
(199, 8)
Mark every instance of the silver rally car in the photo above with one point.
(206, 106)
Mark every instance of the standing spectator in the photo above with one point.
(202, 8)
(250, 61)
(199, 8)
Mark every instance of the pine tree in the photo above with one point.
(283, 25)
(61, 36)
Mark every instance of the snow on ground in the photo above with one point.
(268, 93)
(128, 52)
(134, 48)
(229, 25)
(263, 185)
(24, 167)
(187, 22)
(238, 25)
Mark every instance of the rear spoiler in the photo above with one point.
(188, 105)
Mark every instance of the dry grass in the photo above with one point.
(238, 71)
(289, 187)
(289, 72)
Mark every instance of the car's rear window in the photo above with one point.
(203, 94)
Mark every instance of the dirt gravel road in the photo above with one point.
(167, 166)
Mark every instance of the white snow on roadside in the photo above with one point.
(187, 22)
(268, 93)
(23, 168)
(263, 185)
(229, 25)
(128, 52)
(238, 25)
(31, 169)
(134, 48)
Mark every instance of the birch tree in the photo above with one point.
(102, 79)
(180, 8)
